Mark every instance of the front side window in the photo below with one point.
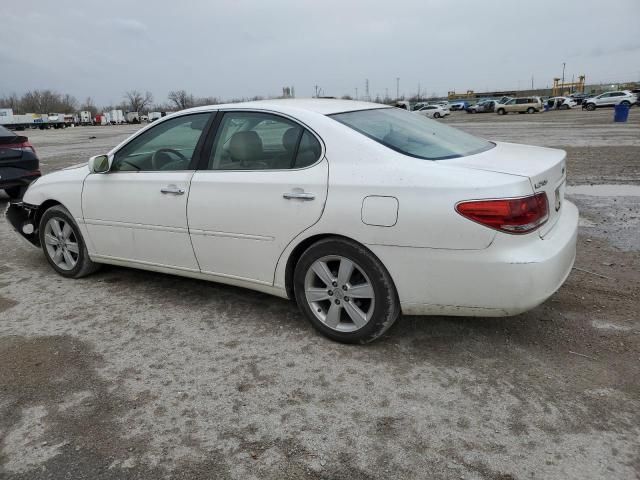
(168, 146)
(413, 135)
(262, 141)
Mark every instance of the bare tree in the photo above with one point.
(89, 105)
(137, 102)
(12, 101)
(181, 99)
(68, 103)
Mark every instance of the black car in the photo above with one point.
(19, 164)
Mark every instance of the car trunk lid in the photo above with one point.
(545, 168)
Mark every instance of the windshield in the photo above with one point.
(413, 134)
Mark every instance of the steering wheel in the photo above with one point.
(156, 159)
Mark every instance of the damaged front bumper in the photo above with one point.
(22, 218)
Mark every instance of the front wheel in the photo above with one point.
(625, 103)
(436, 115)
(531, 110)
(63, 244)
(591, 107)
(501, 111)
(345, 291)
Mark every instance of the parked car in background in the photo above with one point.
(461, 105)
(611, 99)
(435, 221)
(484, 106)
(561, 103)
(579, 97)
(433, 111)
(19, 164)
(520, 105)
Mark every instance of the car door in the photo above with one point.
(264, 183)
(604, 99)
(137, 211)
(510, 106)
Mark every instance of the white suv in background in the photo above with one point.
(610, 99)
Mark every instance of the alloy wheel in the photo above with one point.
(61, 243)
(339, 293)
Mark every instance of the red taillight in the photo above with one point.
(510, 215)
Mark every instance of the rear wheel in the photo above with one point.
(63, 244)
(564, 107)
(436, 115)
(591, 107)
(345, 291)
(626, 103)
(501, 111)
(531, 110)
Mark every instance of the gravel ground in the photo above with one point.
(137, 375)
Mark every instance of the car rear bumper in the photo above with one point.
(16, 177)
(513, 275)
(21, 216)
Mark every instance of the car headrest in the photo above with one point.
(245, 146)
(290, 138)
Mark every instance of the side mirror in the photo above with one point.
(99, 164)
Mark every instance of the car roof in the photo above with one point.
(324, 106)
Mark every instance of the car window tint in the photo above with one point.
(414, 135)
(260, 141)
(167, 146)
(309, 150)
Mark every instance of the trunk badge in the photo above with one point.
(540, 184)
(558, 202)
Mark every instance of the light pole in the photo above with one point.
(397, 88)
(563, 65)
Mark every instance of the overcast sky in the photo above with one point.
(242, 48)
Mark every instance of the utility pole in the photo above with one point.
(356, 93)
(386, 94)
(316, 90)
(563, 65)
(366, 90)
(531, 82)
(397, 88)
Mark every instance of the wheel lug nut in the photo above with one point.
(337, 302)
(344, 287)
(346, 299)
(330, 292)
(335, 284)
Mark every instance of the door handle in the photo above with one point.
(299, 196)
(173, 190)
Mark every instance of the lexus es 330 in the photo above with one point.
(357, 211)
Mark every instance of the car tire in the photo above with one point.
(436, 115)
(626, 103)
(501, 111)
(531, 110)
(591, 107)
(564, 107)
(63, 246)
(376, 306)
(13, 192)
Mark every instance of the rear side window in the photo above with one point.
(413, 135)
(262, 141)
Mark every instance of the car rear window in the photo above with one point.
(412, 134)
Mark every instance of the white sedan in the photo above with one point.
(561, 103)
(358, 211)
(433, 111)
